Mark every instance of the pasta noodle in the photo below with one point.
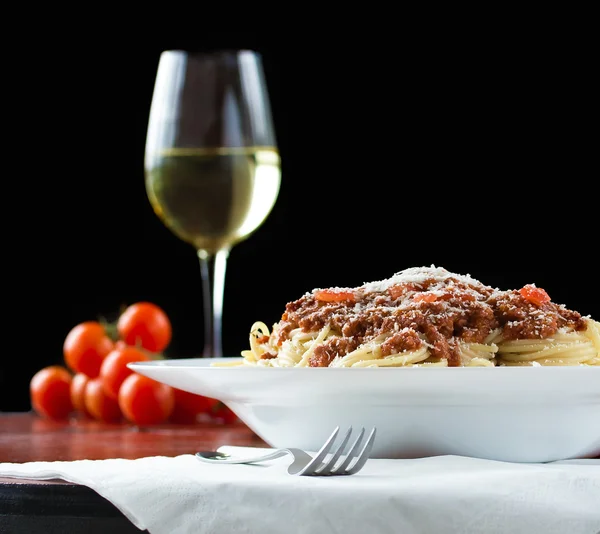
(296, 352)
(563, 348)
(424, 317)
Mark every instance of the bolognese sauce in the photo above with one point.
(421, 306)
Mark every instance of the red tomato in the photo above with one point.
(402, 289)
(144, 401)
(50, 392)
(534, 294)
(85, 347)
(222, 413)
(114, 368)
(425, 296)
(334, 295)
(188, 406)
(99, 405)
(145, 324)
(78, 385)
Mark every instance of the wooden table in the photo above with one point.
(29, 506)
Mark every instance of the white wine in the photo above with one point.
(213, 197)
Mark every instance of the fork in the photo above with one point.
(322, 464)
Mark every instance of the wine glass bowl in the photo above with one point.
(212, 166)
(214, 198)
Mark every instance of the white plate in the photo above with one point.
(516, 414)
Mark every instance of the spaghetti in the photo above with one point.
(425, 317)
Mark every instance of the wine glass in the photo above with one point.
(212, 166)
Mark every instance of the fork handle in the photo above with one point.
(278, 453)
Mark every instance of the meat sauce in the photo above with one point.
(417, 306)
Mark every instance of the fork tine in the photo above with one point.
(340, 469)
(310, 468)
(364, 454)
(325, 468)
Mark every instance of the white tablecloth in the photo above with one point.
(446, 494)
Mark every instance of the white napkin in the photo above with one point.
(180, 495)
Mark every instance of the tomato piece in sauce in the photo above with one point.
(396, 291)
(534, 294)
(334, 295)
(425, 296)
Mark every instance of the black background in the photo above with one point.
(477, 157)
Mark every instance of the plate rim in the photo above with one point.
(164, 363)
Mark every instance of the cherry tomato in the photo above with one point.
(534, 294)
(144, 401)
(85, 347)
(189, 406)
(120, 344)
(222, 413)
(114, 368)
(78, 385)
(99, 405)
(50, 392)
(145, 324)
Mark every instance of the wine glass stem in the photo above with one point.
(212, 268)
